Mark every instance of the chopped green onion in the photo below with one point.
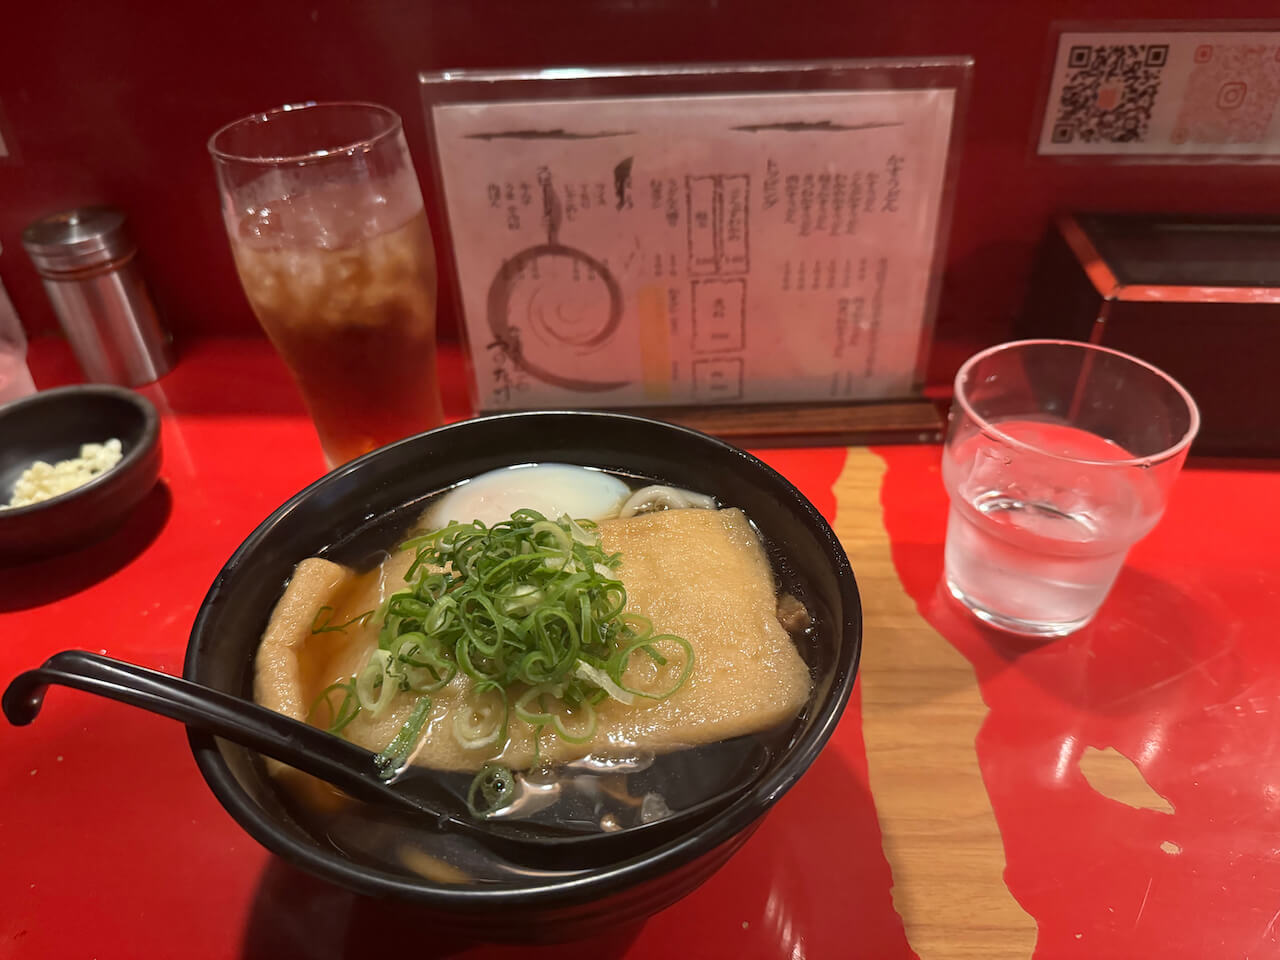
(347, 709)
(618, 665)
(580, 531)
(542, 716)
(585, 730)
(537, 745)
(522, 598)
(421, 663)
(471, 735)
(519, 603)
(601, 679)
(531, 610)
(559, 535)
(375, 687)
(393, 759)
(495, 789)
(323, 622)
(535, 694)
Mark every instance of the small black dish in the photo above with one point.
(352, 498)
(52, 426)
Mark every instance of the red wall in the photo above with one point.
(113, 102)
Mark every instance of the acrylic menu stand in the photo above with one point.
(753, 250)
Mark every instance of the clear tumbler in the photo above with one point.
(333, 249)
(1059, 457)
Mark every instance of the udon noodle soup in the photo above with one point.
(556, 643)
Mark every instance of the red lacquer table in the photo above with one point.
(1113, 794)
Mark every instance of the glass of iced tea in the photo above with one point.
(333, 249)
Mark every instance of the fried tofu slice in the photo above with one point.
(699, 574)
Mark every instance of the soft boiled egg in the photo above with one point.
(553, 489)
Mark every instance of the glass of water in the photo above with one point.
(1059, 457)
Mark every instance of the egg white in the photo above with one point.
(553, 489)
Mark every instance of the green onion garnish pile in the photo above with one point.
(532, 611)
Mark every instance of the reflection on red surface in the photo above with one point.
(1179, 673)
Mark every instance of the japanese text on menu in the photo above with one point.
(719, 249)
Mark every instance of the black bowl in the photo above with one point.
(51, 426)
(353, 497)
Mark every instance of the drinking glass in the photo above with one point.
(15, 377)
(1059, 457)
(333, 249)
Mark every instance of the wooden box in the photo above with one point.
(1198, 297)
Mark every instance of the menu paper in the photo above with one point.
(743, 248)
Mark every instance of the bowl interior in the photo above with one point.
(355, 499)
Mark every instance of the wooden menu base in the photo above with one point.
(810, 424)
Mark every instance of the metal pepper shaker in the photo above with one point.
(88, 263)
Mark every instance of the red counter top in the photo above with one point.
(1112, 794)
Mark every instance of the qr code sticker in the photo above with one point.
(1231, 94)
(1108, 93)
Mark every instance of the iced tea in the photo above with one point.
(335, 255)
(356, 325)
